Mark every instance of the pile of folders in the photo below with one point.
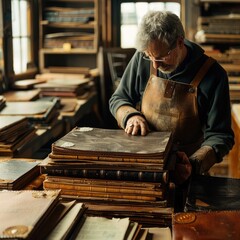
(113, 173)
(43, 214)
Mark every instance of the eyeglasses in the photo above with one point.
(162, 59)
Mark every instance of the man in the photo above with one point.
(171, 85)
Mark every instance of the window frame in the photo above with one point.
(116, 17)
(10, 75)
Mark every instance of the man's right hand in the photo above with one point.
(137, 125)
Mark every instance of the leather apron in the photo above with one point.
(172, 106)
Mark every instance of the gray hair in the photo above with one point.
(159, 25)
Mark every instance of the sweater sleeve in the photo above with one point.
(215, 111)
(132, 84)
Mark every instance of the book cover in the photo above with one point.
(219, 225)
(22, 212)
(16, 173)
(113, 145)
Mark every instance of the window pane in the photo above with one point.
(132, 13)
(24, 21)
(25, 52)
(15, 18)
(173, 7)
(21, 28)
(17, 55)
(157, 6)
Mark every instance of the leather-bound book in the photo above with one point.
(105, 170)
(7, 123)
(213, 225)
(105, 189)
(23, 212)
(35, 111)
(19, 96)
(17, 173)
(112, 145)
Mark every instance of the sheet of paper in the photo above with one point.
(99, 228)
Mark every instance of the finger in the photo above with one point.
(136, 129)
(128, 129)
(144, 128)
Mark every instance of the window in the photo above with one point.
(21, 35)
(131, 14)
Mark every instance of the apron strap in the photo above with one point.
(203, 70)
(152, 70)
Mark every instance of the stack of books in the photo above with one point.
(2, 102)
(40, 112)
(42, 214)
(229, 60)
(64, 88)
(24, 213)
(15, 132)
(218, 28)
(16, 173)
(115, 173)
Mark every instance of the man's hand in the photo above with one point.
(137, 125)
(183, 168)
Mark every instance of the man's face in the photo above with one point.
(164, 58)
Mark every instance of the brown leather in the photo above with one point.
(170, 114)
(170, 87)
(172, 106)
(220, 225)
(200, 74)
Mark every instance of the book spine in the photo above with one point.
(107, 195)
(56, 154)
(104, 189)
(160, 177)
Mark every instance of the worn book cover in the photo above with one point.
(35, 111)
(66, 226)
(220, 225)
(22, 96)
(16, 173)
(112, 145)
(22, 212)
(8, 123)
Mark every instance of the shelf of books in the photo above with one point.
(67, 28)
(218, 32)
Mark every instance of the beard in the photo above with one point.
(166, 69)
(169, 68)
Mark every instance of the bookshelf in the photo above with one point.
(69, 34)
(218, 31)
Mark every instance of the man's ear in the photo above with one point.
(180, 42)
